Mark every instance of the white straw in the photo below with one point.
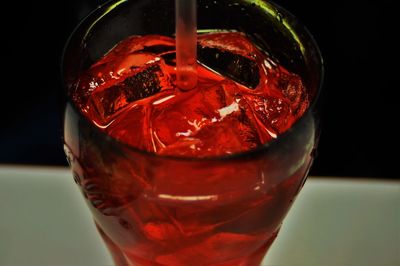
(186, 43)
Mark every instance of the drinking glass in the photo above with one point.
(163, 210)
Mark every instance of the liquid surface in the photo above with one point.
(243, 99)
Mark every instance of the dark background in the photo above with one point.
(359, 99)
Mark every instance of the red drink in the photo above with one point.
(158, 210)
(131, 94)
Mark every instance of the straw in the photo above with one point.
(186, 43)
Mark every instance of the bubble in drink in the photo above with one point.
(243, 98)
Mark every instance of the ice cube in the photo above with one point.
(169, 58)
(132, 70)
(273, 113)
(208, 121)
(234, 42)
(131, 128)
(293, 89)
(226, 136)
(183, 116)
(233, 57)
(237, 67)
(144, 83)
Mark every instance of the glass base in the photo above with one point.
(121, 259)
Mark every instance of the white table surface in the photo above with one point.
(334, 222)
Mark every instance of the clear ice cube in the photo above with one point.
(146, 82)
(208, 121)
(293, 89)
(272, 112)
(233, 58)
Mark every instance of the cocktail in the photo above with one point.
(198, 172)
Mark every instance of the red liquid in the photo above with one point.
(134, 97)
(152, 212)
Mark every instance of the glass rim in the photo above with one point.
(226, 157)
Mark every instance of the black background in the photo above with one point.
(359, 101)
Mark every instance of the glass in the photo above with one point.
(162, 210)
